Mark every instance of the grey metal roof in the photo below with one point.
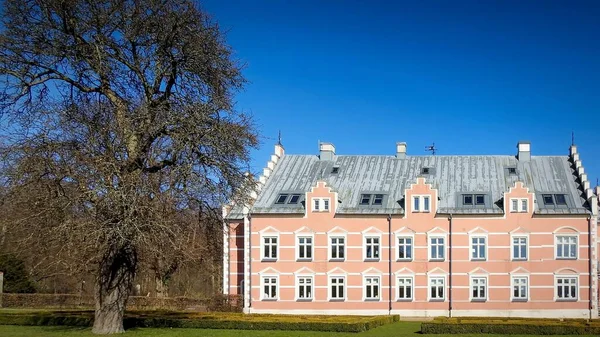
(389, 175)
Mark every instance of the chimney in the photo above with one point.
(326, 151)
(524, 148)
(401, 150)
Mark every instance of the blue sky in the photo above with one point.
(474, 77)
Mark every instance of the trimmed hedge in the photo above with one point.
(74, 301)
(164, 319)
(511, 326)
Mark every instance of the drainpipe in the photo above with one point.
(390, 263)
(249, 285)
(450, 265)
(590, 264)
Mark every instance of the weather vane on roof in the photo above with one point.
(279, 138)
(431, 148)
(572, 137)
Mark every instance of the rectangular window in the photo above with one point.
(514, 205)
(365, 199)
(305, 288)
(548, 200)
(378, 200)
(281, 199)
(337, 248)
(436, 289)
(269, 288)
(316, 204)
(337, 288)
(560, 199)
(416, 207)
(305, 248)
(519, 288)
(294, 199)
(524, 205)
(437, 248)
(270, 247)
(566, 288)
(405, 288)
(326, 205)
(479, 199)
(467, 199)
(371, 288)
(566, 247)
(372, 248)
(478, 288)
(425, 204)
(519, 251)
(320, 204)
(405, 248)
(478, 248)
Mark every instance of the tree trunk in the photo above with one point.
(161, 289)
(113, 286)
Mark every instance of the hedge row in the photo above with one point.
(209, 321)
(511, 326)
(63, 301)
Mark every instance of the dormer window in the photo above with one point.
(512, 170)
(425, 170)
(281, 199)
(472, 199)
(554, 199)
(371, 199)
(335, 170)
(288, 198)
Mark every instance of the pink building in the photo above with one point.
(417, 236)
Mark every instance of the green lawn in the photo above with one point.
(399, 329)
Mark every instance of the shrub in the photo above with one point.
(510, 326)
(173, 319)
(16, 278)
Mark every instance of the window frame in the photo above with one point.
(330, 278)
(429, 285)
(520, 203)
(365, 246)
(264, 236)
(472, 246)
(366, 285)
(556, 238)
(412, 288)
(563, 299)
(312, 246)
(320, 203)
(298, 286)
(412, 247)
(430, 244)
(263, 284)
(512, 247)
(512, 288)
(330, 246)
(472, 280)
(421, 203)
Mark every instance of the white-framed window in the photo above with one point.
(338, 247)
(478, 288)
(437, 288)
(421, 203)
(566, 288)
(437, 248)
(520, 288)
(320, 204)
(478, 248)
(305, 247)
(405, 288)
(337, 288)
(518, 205)
(566, 247)
(269, 247)
(405, 248)
(372, 288)
(305, 288)
(372, 247)
(269, 288)
(519, 248)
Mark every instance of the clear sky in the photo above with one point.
(474, 77)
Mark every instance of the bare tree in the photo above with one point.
(127, 108)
